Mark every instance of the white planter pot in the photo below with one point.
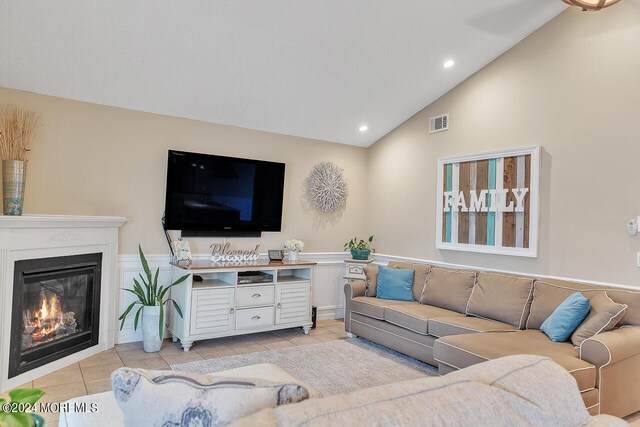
(151, 339)
(292, 256)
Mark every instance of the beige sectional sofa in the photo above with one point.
(462, 317)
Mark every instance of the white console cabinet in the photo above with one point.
(219, 306)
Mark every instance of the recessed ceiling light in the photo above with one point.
(448, 63)
(363, 128)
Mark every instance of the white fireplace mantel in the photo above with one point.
(43, 236)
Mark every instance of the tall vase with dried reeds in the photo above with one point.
(17, 133)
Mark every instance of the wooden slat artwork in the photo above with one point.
(509, 218)
(463, 217)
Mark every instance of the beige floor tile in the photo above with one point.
(23, 386)
(328, 337)
(240, 339)
(62, 392)
(104, 358)
(216, 343)
(171, 348)
(286, 333)
(274, 345)
(102, 371)
(64, 376)
(156, 363)
(248, 348)
(98, 386)
(129, 346)
(138, 354)
(212, 353)
(70, 367)
(305, 339)
(190, 356)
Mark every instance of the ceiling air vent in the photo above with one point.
(439, 123)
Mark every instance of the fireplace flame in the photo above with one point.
(48, 318)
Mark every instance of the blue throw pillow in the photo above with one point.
(395, 283)
(566, 317)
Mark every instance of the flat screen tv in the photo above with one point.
(211, 195)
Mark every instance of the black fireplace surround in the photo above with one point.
(56, 309)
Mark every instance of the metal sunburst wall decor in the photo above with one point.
(326, 187)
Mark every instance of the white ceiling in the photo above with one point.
(310, 68)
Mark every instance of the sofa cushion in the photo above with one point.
(506, 392)
(630, 298)
(547, 296)
(549, 293)
(415, 317)
(395, 284)
(148, 397)
(603, 316)
(566, 318)
(371, 279)
(374, 307)
(501, 297)
(419, 278)
(460, 351)
(447, 288)
(456, 325)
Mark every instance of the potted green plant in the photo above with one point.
(12, 411)
(152, 299)
(359, 248)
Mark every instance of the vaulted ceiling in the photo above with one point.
(311, 68)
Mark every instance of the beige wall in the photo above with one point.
(97, 160)
(574, 88)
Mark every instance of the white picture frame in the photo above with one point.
(518, 228)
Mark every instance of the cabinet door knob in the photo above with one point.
(278, 306)
(231, 310)
(255, 318)
(256, 296)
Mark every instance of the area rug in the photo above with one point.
(332, 367)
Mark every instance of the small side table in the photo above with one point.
(355, 268)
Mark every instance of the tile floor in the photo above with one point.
(92, 374)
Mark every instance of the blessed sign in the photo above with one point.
(222, 253)
(489, 202)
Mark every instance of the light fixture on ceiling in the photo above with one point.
(592, 5)
(363, 128)
(448, 63)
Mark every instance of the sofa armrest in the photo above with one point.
(355, 289)
(612, 346)
(352, 290)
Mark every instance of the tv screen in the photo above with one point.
(211, 195)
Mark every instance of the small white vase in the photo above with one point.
(151, 340)
(292, 256)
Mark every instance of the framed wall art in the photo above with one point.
(489, 202)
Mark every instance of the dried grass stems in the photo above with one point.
(17, 132)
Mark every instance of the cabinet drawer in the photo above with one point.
(252, 296)
(254, 317)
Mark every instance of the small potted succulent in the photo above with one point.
(294, 247)
(360, 249)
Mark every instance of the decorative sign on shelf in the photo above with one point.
(222, 253)
(489, 202)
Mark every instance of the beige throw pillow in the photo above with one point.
(501, 297)
(371, 274)
(163, 398)
(603, 316)
(448, 288)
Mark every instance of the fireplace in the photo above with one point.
(55, 310)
